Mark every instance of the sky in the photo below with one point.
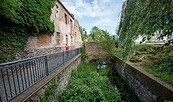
(105, 14)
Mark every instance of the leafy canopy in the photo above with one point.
(145, 17)
(21, 19)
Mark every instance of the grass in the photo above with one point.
(119, 52)
(165, 76)
(86, 85)
(158, 60)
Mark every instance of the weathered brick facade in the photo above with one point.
(94, 51)
(77, 35)
(66, 31)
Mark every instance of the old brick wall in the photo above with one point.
(94, 51)
(77, 35)
(91, 48)
(36, 52)
(147, 87)
(65, 29)
(38, 42)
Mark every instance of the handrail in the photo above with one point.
(18, 76)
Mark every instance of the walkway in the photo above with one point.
(18, 76)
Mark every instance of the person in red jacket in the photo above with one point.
(66, 47)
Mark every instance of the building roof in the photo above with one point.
(65, 9)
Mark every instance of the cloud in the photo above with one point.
(96, 8)
(101, 13)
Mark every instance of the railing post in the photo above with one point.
(71, 54)
(63, 56)
(46, 65)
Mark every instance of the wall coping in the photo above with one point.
(156, 85)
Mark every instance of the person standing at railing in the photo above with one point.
(66, 48)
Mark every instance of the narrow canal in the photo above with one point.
(93, 83)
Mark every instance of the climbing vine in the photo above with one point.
(19, 20)
(145, 17)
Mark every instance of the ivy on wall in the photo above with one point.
(145, 17)
(20, 19)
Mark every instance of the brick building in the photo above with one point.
(66, 31)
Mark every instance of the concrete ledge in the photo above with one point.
(32, 90)
(160, 88)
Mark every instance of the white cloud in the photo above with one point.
(97, 8)
(101, 13)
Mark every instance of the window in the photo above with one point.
(71, 40)
(58, 38)
(56, 11)
(65, 19)
(66, 37)
(71, 23)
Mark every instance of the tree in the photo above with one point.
(94, 31)
(104, 40)
(146, 17)
(83, 33)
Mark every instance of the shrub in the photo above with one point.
(87, 85)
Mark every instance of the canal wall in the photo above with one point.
(147, 87)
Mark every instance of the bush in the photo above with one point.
(87, 85)
(50, 91)
(23, 19)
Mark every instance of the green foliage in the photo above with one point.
(127, 93)
(19, 20)
(165, 76)
(84, 54)
(158, 60)
(95, 32)
(50, 91)
(89, 38)
(83, 33)
(119, 53)
(86, 85)
(144, 17)
(104, 40)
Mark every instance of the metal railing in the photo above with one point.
(18, 76)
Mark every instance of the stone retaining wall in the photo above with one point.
(36, 52)
(147, 87)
